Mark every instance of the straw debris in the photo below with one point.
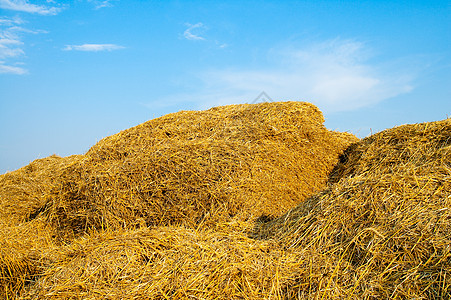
(24, 239)
(166, 263)
(385, 219)
(24, 191)
(237, 162)
(236, 202)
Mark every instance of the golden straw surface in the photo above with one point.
(236, 202)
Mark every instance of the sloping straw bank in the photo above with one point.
(237, 162)
(384, 224)
(237, 202)
(24, 238)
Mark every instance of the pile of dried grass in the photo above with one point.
(385, 223)
(24, 191)
(23, 241)
(166, 263)
(237, 162)
(22, 251)
(164, 210)
(213, 170)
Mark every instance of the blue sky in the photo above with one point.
(73, 72)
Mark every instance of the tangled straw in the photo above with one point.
(236, 202)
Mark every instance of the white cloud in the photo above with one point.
(336, 75)
(93, 47)
(5, 69)
(6, 51)
(11, 45)
(25, 6)
(189, 35)
(10, 21)
(101, 3)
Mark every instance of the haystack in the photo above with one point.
(383, 229)
(211, 174)
(23, 238)
(230, 163)
(24, 191)
(164, 211)
(166, 263)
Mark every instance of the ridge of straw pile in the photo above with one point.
(23, 241)
(192, 168)
(217, 170)
(237, 202)
(384, 222)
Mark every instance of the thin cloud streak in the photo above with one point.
(189, 35)
(101, 4)
(10, 21)
(25, 6)
(335, 75)
(10, 45)
(93, 47)
(5, 69)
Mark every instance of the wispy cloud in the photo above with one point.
(336, 75)
(25, 6)
(93, 47)
(190, 34)
(7, 69)
(11, 45)
(10, 21)
(98, 4)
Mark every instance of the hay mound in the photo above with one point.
(237, 162)
(386, 222)
(216, 171)
(23, 192)
(163, 211)
(165, 263)
(23, 249)
(24, 239)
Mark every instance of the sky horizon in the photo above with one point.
(73, 72)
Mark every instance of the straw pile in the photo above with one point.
(23, 192)
(22, 240)
(237, 162)
(237, 202)
(383, 229)
(217, 170)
